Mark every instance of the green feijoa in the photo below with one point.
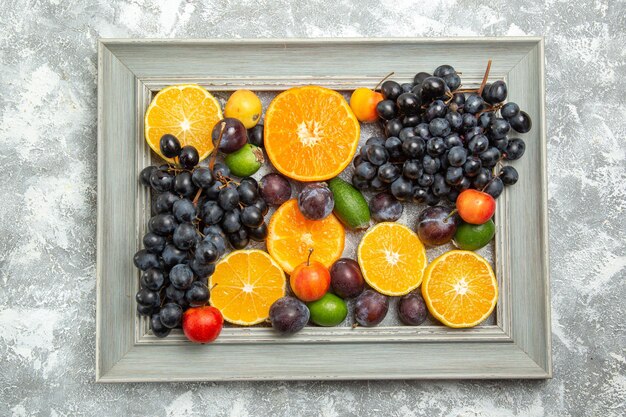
(474, 236)
(350, 205)
(328, 311)
(245, 161)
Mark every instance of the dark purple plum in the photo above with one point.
(435, 225)
(370, 308)
(289, 315)
(346, 278)
(412, 309)
(316, 201)
(385, 208)
(275, 189)
(234, 135)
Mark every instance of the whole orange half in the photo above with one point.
(311, 133)
(186, 111)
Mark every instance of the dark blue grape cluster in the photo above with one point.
(196, 211)
(440, 140)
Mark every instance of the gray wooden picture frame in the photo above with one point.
(518, 345)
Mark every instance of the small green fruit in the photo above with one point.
(350, 205)
(246, 161)
(328, 311)
(474, 236)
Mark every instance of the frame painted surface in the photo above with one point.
(129, 71)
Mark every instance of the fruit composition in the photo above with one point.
(443, 146)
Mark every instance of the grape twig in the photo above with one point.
(485, 77)
(383, 80)
(217, 146)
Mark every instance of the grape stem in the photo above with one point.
(494, 174)
(197, 197)
(383, 80)
(482, 85)
(494, 108)
(217, 146)
(452, 213)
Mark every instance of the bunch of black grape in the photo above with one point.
(196, 211)
(440, 140)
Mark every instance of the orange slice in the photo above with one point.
(311, 133)
(392, 259)
(291, 235)
(245, 284)
(460, 288)
(186, 111)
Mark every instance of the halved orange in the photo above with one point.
(392, 259)
(244, 286)
(311, 133)
(291, 236)
(186, 111)
(460, 288)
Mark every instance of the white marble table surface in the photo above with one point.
(47, 205)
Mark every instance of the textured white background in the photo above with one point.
(47, 205)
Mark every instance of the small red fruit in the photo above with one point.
(475, 207)
(310, 280)
(363, 102)
(202, 324)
